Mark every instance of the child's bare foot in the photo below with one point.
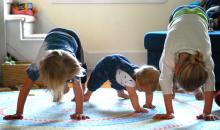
(87, 96)
(173, 95)
(66, 89)
(199, 94)
(122, 94)
(73, 100)
(180, 90)
(57, 97)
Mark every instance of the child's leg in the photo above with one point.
(174, 90)
(66, 88)
(96, 79)
(217, 98)
(122, 94)
(84, 87)
(119, 89)
(177, 89)
(87, 96)
(57, 96)
(198, 94)
(84, 78)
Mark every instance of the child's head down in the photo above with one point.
(58, 67)
(190, 71)
(147, 78)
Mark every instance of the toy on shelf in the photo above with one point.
(23, 8)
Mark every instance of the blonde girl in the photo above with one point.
(187, 59)
(57, 63)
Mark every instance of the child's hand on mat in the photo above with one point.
(77, 116)
(163, 116)
(207, 117)
(13, 117)
(141, 110)
(150, 106)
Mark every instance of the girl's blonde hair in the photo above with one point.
(58, 67)
(147, 75)
(192, 72)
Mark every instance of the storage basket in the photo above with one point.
(14, 75)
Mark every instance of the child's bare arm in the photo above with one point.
(134, 99)
(25, 89)
(79, 102)
(209, 95)
(79, 97)
(168, 103)
(148, 102)
(169, 108)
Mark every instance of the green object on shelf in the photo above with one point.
(10, 61)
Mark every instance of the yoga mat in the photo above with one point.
(106, 112)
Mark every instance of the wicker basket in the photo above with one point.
(14, 75)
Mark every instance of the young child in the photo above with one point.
(187, 59)
(124, 75)
(56, 64)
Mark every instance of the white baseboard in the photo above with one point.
(136, 57)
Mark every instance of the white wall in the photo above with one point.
(107, 27)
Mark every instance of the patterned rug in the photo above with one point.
(106, 110)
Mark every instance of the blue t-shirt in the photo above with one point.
(56, 39)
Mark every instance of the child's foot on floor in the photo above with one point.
(87, 96)
(57, 97)
(122, 94)
(66, 89)
(180, 90)
(199, 94)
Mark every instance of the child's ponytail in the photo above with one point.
(197, 58)
(192, 72)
